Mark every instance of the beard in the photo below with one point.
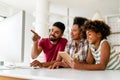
(53, 38)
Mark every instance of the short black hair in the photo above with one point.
(60, 25)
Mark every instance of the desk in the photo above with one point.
(61, 74)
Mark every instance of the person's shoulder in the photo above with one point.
(105, 43)
(84, 41)
(64, 40)
(71, 42)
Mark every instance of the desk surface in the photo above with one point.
(61, 74)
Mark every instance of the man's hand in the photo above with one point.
(36, 63)
(55, 65)
(36, 37)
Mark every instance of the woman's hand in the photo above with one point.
(55, 65)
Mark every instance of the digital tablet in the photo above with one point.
(65, 56)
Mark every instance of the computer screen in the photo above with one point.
(12, 38)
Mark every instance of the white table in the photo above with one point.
(61, 74)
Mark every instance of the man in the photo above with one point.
(50, 46)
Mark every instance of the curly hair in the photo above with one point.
(98, 26)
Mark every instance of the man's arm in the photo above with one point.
(36, 50)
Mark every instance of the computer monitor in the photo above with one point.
(12, 38)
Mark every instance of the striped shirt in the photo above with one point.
(114, 60)
(82, 49)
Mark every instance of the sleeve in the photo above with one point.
(41, 43)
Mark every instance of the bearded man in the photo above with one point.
(50, 46)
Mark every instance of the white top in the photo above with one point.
(114, 60)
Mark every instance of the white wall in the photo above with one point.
(29, 19)
(119, 6)
(87, 8)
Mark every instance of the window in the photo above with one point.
(112, 21)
